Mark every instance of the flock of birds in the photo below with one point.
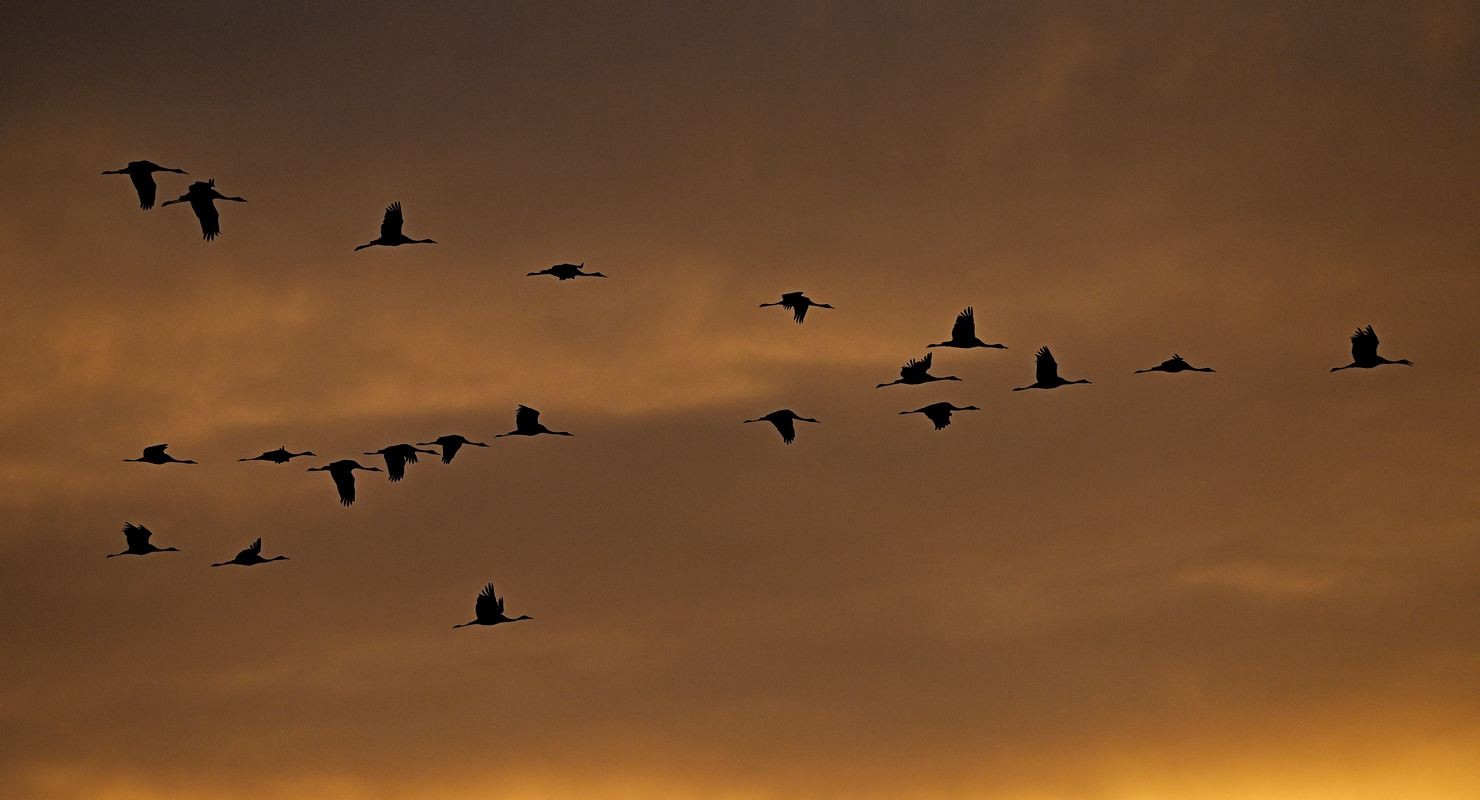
(489, 607)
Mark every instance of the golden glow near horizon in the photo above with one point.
(1258, 583)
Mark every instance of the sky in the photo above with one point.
(1257, 583)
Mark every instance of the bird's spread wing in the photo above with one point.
(155, 450)
(791, 297)
(136, 535)
(965, 327)
(916, 366)
(449, 449)
(344, 481)
(1175, 361)
(144, 185)
(938, 414)
(526, 417)
(786, 428)
(395, 464)
(798, 310)
(390, 227)
(489, 606)
(1048, 369)
(1364, 344)
(255, 547)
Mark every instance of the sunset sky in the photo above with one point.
(1262, 583)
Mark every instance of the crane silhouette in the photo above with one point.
(450, 444)
(797, 303)
(251, 556)
(566, 272)
(142, 174)
(1364, 352)
(490, 610)
(155, 454)
(279, 456)
(527, 423)
(390, 231)
(343, 473)
(137, 537)
(1048, 373)
(963, 333)
(940, 413)
(783, 421)
(397, 456)
(202, 197)
(915, 372)
(1175, 364)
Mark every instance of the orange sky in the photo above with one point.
(1254, 584)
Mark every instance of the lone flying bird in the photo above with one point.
(137, 537)
(1175, 364)
(279, 456)
(963, 333)
(142, 174)
(940, 413)
(566, 272)
(490, 610)
(797, 303)
(397, 456)
(1048, 373)
(343, 473)
(202, 196)
(390, 230)
(916, 372)
(1364, 352)
(155, 454)
(450, 444)
(783, 421)
(527, 423)
(250, 556)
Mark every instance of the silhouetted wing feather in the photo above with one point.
(938, 414)
(449, 449)
(144, 185)
(255, 547)
(390, 227)
(915, 367)
(798, 310)
(154, 450)
(1048, 369)
(965, 327)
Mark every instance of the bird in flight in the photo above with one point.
(397, 456)
(797, 303)
(202, 196)
(1364, 352)
(915, 372)
(963, 333)
(250, 556)
(1048, 373)
(450, 444)
(940, 413)
(527, 423)
(783, 421)
(142, 174)
(1175, 364)
(490, 610)
(566, 272)
(279, 456)
(155, 454)
(137, 537)
(390, 230)
(343, 473)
